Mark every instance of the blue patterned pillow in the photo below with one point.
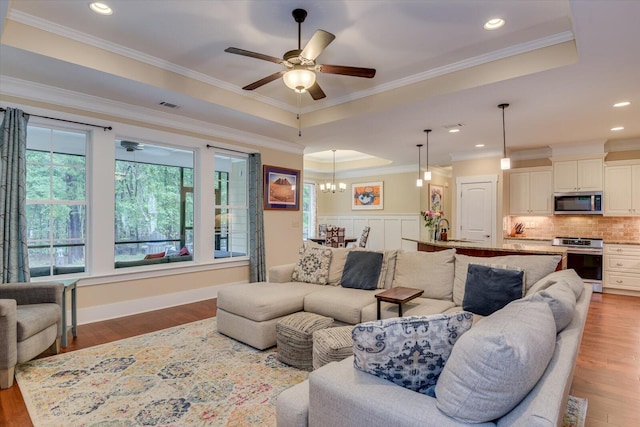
(409, 351)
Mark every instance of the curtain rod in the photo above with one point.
(228, 149)
(105, 128)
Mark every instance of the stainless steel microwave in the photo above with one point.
(578, 203)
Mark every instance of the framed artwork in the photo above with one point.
(436, 194)
(281, 188)
(368, 195)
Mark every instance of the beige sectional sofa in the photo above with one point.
(249, 312)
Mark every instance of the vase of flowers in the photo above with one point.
(431, 218)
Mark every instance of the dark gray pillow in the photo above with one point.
(488, 289)
(362, 270)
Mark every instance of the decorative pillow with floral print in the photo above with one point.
(409, 351)
(313, 266)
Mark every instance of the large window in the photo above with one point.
(231, 237)
(309, 210)
(153, 204)
(56, 201)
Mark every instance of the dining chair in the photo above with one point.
(363, 238)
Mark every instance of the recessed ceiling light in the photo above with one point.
(454, 130)
(617, 128)
(479, 145)
(100, 8)
(493, 24)
(622, 104)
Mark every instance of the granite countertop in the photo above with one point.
(621, 242)
(539, 239)
(507, 247)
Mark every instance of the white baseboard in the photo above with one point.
(143, 305)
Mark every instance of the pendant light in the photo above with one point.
(427, 173)
(331, 186)
(419, 180)
(505, 162)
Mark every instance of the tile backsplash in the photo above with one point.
(609, 228)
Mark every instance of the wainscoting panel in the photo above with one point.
(387, 231)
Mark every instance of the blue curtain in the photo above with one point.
(14, 260)
(257, 264)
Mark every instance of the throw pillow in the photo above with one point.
(389, 258)
(561, 301)
(491, 287)
(497, 363)
(430, 271)
(153, 256)
(536, 266)
(362, 270)
(312, 266)
(408, 351)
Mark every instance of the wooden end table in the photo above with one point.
(398, 296)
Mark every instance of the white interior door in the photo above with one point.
(477, 209)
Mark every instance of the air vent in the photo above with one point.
(168, 104)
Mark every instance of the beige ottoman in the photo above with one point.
(332, 345)
(294, 338)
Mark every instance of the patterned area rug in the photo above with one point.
(186, 375)
(575, 413)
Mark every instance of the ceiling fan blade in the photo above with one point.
(264, 81)
(319, 41)
(253, 55)
(347, 71)
(316, 92)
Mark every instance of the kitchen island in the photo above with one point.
(466, 247)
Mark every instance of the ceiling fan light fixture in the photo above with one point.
(299, 79)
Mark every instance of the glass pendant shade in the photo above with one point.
(427, 175)
(505, 163)
(300, 79)
(418, 182)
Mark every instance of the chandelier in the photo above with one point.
(331, 186)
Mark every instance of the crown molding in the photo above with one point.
(79, 36)
(42, 93)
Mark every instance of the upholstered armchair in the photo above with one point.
(30, 323)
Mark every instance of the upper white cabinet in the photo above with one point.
(622, 190)
(578, 175)
(530, 193)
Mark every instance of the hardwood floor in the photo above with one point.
(607, 372)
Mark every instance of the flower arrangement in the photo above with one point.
(431, 217)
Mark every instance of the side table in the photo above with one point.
(69, 285)
(398, 296)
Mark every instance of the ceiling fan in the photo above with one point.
(131, 145)
(300, 66)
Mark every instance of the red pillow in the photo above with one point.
(184, 251)
(152, 256)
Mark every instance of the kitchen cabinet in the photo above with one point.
(578, 175)
(622, 267)
(622, 190)
(530, 193)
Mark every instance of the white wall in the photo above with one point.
(387, 231)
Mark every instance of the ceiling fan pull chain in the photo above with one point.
(299, 101)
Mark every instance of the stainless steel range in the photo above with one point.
(584, 255)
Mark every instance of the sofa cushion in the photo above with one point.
(312, 265)
(362, 270)
(569, 276)
(494, 365)
(416, 307)
(343, 304)
(490, 287)
(408, 351)
(561, 301)
(535, 266)
(262, 301)
(430, 271)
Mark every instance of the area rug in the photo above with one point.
(575, 412)
(186, 375)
